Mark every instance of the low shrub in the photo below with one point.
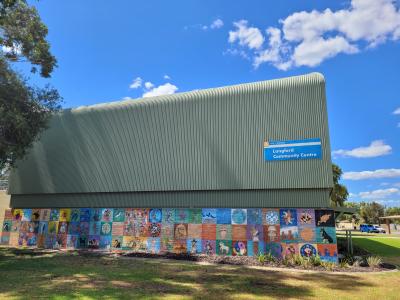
(374, 261)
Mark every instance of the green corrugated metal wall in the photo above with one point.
(189, 199)
(206, 140)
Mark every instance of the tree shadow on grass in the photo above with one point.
(74, 276)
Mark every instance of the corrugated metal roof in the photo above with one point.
(201, 140)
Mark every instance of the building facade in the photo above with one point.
(237, 170)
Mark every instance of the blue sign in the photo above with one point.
(293, 150)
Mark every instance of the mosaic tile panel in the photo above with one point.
(210, 231)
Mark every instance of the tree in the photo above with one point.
(393, 211)
(24, 110)
(370, 212)
(339, 192)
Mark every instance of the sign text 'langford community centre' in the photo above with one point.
(293, 149)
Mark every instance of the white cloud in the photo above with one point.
(250, 37)
(127, 98)
(164, 89)
(166, 77)
(16, 49)
(389, 203)
(148, 85)
(380, 173)
(216, 24)
(397, 111)
(136, 83)
(309, 38)
(376, 148)
(379, 194)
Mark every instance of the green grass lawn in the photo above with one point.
(386, 247)
(70, 276)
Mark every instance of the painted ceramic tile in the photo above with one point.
(181, 215)
(194, 231)
(180, 231)
(43, 227)
(154, 230)
(94, 241)
(328, 252)
(224, 247)
(65, 214)
(27, 215)
(307, 234)
(239, 216)
(84, 228)
(289, 234)
(239, 232)
(94, 228)
(324, 218)
(17, 214)
(85, 214)
(272, 233)
(141, 216)
(195, 216)
(83, 241)
(224, 232)
(224, 216)
(167, 245)
(270, 216)
(35, 214)
(62, 227)
(74, 228)
(153, 245)
(61, 242)
(255, 233)
(167, 230)
(16, 225)
(4, 238)
(45, 214)
(326, 235)
(72, 241)
(32, 240)
(51, 240)
(254, 216)
(194, 246)
(209, 231)
(119, 215)
(305, 217)
(239, 248)
(105, 241)
(75, 215)
(289, 249)
(274, 248)
(106, 228)
(7, 226)
(308, 250)
(117, 228)
(117, 242)
(8, 216)
(288, 217)
(52, 227)
(168, 215)
(180, 247)
(255, 248)
(14, 236)
(24, 228)
(107, 215)
(209, 247)
(54, 214)
(95, 214)
(209, 216)
(155, 215)
(41, 241)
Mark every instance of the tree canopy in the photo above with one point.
(339, 192)
(24, 109)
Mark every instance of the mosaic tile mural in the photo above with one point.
(209, 231)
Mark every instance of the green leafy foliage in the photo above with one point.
(339, 192)
(24, 109)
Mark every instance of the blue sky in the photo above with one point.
(176, 46)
